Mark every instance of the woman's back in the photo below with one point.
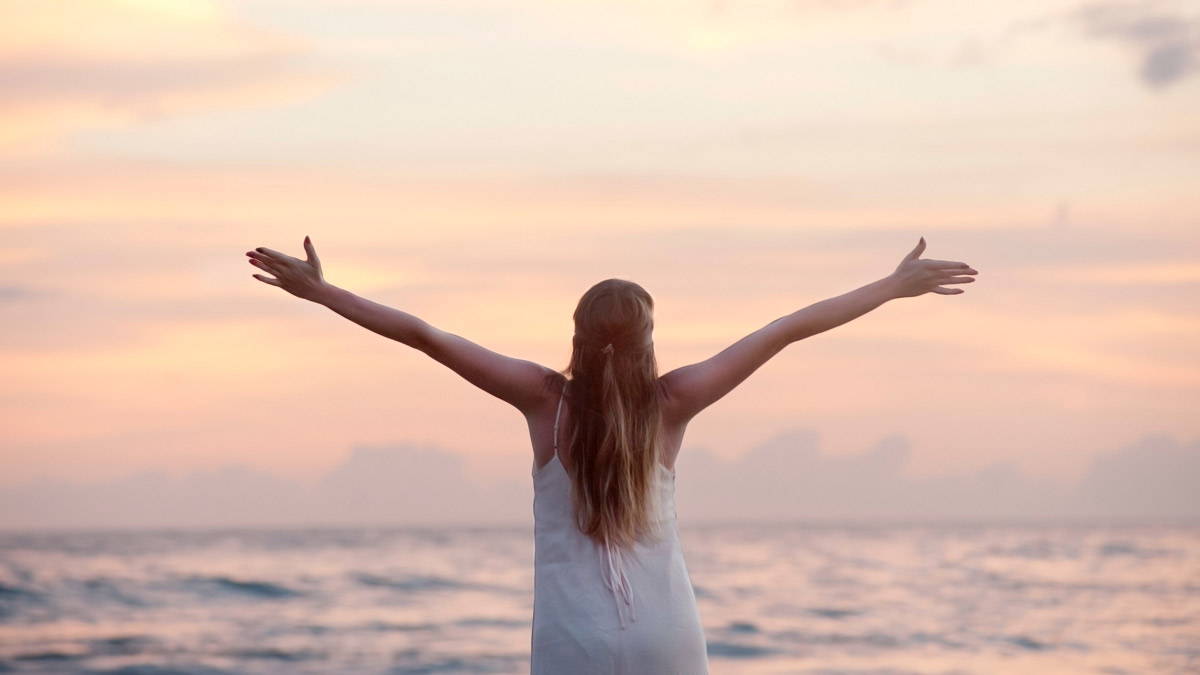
(599, 609)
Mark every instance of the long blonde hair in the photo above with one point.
(615, 418)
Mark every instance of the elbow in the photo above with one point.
(420, 337)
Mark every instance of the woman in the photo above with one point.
(611, 590)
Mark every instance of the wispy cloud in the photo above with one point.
(1164, 35)
(112, 62)
(13, 292)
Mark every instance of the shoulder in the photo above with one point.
(551, 386)
(553, 383)
(669, 403)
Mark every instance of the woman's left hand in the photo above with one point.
(301, 278)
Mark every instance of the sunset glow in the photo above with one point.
(482, 164)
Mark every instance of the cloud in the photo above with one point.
(1155, 476)
(397, 484)
(787, 477)
(1166, 38)
(15, 292)
(114, 62)
(1164, 35)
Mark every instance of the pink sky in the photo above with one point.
(482, 164)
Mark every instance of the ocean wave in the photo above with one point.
(869, 639)
(50, 655)
(252, 588)
(836, 613)
(736, 650)
(415, 662)
(274, 654)
(1111, 549)
(1032, 644)
(107, 589)
(18, 592)
(1036, 549)
(423, 582)
(409, 583)
(155, 669)
(15, 599)
(829, 612)
(122, 645)
(386, 626)
(493, 622)
(1026, 642)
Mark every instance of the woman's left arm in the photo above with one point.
(518, 382)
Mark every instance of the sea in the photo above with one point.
(822, 598)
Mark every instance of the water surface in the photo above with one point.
(774, 598)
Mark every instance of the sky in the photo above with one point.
(481, 164)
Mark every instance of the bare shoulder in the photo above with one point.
(672, 405)
(540, 417)
(551, 387)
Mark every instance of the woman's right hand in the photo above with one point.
(916, 277)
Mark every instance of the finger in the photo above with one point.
(312, 253)
(957, 280)
(275, 255)
(946, 264)
(947, 291)
(267, 280)
(263, 258)
(271, 267)
(916, 252)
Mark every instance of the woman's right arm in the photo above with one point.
(692, 388)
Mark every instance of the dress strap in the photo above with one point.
(556, 414)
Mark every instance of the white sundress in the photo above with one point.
(600, 610)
